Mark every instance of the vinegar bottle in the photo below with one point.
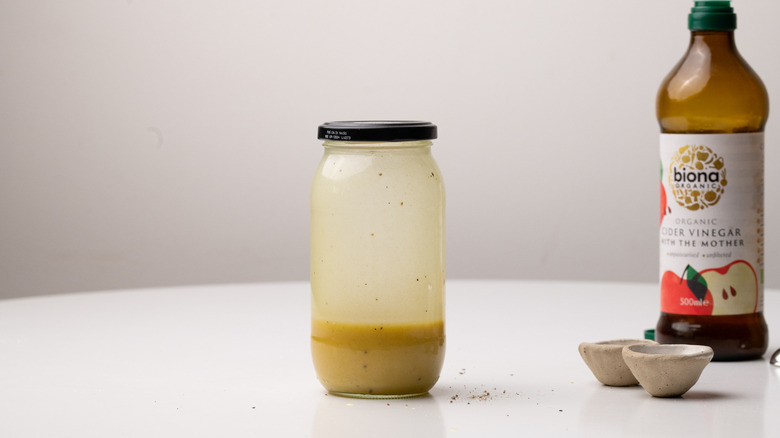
(712, 109)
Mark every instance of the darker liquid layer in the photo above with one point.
(377, 360)
(732, 337)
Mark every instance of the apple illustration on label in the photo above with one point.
(664, 207)
(663, 202)
(734, 288)
(727, 290)
(685, 294)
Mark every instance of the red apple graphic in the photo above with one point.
(664, 206)
(734, 288)
(663, 202)
(728, 290)
(685, 294)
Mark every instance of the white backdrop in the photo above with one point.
(162, 142)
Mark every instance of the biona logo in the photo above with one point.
(697, 177)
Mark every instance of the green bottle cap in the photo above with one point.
(712, 15)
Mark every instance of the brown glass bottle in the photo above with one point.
(712, 90)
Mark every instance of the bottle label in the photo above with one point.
(712, 223)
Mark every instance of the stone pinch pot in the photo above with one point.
(605, 360)
(668, 370)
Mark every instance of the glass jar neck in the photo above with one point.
(378, 145)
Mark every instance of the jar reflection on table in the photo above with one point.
(377, 260)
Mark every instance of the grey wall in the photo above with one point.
(149, 143)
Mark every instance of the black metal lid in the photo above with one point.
(377, 130)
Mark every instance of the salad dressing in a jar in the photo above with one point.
(377, 260)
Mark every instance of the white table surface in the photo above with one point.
(233, 361)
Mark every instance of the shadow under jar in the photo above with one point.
(377, 260)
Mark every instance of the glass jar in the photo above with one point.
(377, 260)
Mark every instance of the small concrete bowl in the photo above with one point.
(605, 360)
(667, 370)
